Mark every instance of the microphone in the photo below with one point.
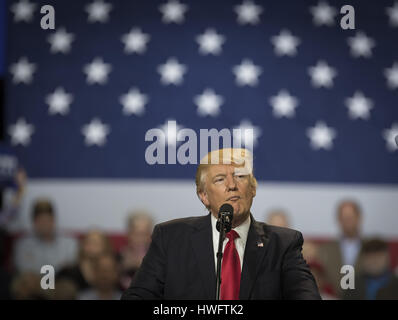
(225, 215)
(224, 225)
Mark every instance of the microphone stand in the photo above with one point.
(224, 225)
(219, 257)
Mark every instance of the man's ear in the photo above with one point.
(254, 190)
(203, 197)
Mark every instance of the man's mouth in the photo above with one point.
(234, 198)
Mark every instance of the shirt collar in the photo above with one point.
(242, 229)
(355, 241)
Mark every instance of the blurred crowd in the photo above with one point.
(87, 266)
(374, 278)
(90, 266)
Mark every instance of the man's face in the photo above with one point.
(44, 225)
(228, 184)
(375, 263)
(139, 235)
(93, 245)
(349, 220)
(106, 274)
(278, 220)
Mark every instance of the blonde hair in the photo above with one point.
(235, 156)
(136, 215)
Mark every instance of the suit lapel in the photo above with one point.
(255, 249)
(202, 244)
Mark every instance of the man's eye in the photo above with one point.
(219, 180)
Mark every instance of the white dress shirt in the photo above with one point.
(31, 253)
(240, 243)
(350, 250)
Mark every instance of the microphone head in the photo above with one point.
(226, 208)
(225, 215)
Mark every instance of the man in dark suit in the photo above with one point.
(347, 249)
(262, 262)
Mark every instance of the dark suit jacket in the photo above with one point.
(180, 264)
(330, 256)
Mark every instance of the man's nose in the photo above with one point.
(231, 183)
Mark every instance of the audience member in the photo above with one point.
(65, 289)
(139, 231)
(9, 209)
(375, 280)
(278, 218)
(94, 244)
(346, 250)
(45, 246)
(325, 288)
(105, 280)
(26, 286)
(310, 251)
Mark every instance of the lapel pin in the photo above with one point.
(260, 244)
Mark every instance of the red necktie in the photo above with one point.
(230, 269)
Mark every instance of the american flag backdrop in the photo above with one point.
(322, 101)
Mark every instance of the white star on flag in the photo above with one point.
(208, 103)
(285, 43)
(392, 76)
(323, 14)
(59, 101)
(173, 11)
(284, 104)
(321, 136)
(392, 13)
(22, 71)
(135, 41)
(247, 73)
(60, 41)
(97, 71)
(390, 136)
(210, 42)
(322, 75)
(361, 45)
(172, 72)
(95, 132)
(98, 11)
(21, 132)
(23, 10)
(248, 12)
(134, 102)
(247, 134)
(359, 106)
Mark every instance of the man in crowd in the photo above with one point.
(375, 280)
(44, 246)
(278, 218)
(139, 231)
(345, 250)
(105, 280)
